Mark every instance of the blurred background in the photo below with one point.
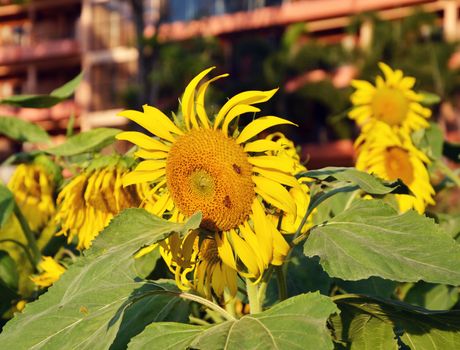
(145, 51)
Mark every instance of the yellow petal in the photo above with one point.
(235, 112)
(275, 194)
(225, 250)
(245, 254)
(246, 97)
(264, 235)
(150, 124)
(362, 85)
(273, 162)
(142, 153)
(200, 106)
(188, 99)
(161, 118)
(387, 71)
(278, 176)
(258, 125)
(143, 141)
(281, 247)
(151, 165)
(262, 146)
(136, 177)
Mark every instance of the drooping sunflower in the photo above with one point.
(208, 165)
(393, 156)
(390, 101)
(90, 200)
(33, 189)
(50, 271)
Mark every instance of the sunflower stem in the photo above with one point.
(282, 286)
(23, 247)
(32, 242)
(253, 296)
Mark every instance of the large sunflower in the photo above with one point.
(208, 165)
(391, 157)
(390, 101)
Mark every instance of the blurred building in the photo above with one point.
(44, 43)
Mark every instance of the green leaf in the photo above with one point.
(303, 275)
(8, 271)
(97, 296)
(88, 141)
(373, 286)
(368, 183)
(44, 101)
(6, 204)
(372, 239)
(296, 323)
(429, 99)
(372, 323)
(31, 101)
(22, 131)
(66, 90)
(432, 296)
(430, 140)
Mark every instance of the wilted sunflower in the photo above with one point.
(33, 188)
(391, 156)
(391, 101)
(90, 200)
(197, 164)
(50, 270)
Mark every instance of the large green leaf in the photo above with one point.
(21, 130)
(6, 204)
(98, 295)
(351, 176)
(45, 101)
(372, 239)
(296, 323)
(372, 323)
(88, 141)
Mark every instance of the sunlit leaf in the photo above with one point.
(100, 298)
(372, 239)
(21, 130)
(88, 141)
(296, 323)
(44, 101)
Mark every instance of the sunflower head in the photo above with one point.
(209, 164)
(390, 101)
(33, 188)
(393, 156)
(90, 200)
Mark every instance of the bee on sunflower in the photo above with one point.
(198, 163)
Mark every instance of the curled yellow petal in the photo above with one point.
(258, 125)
